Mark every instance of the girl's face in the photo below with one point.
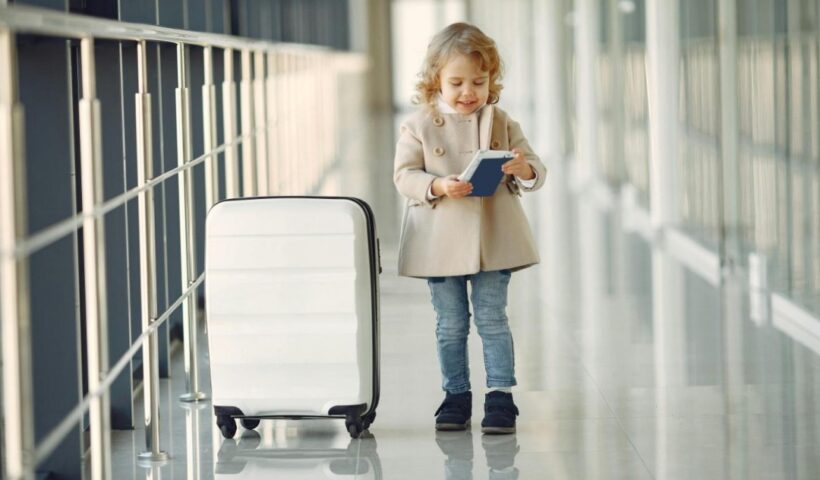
(463, 86)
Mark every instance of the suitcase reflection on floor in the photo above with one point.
(315, 449)
(499, 450)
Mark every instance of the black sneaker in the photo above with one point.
(499, 413)
(455, 412)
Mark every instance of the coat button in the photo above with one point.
(438, 151)
(438, 121)
(495, 144)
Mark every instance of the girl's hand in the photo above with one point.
(518, 166)
(452, 187)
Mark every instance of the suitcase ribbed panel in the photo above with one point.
(276, 292)
(327, 251)
(283, 324)
(288, 293)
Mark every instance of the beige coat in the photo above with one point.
(448, 236)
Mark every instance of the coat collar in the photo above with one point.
(485, 126)
(444, 107)
(485, 120)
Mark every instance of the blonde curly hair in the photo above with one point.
(458, 39)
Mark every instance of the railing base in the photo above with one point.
(150, 459)
(193, 397)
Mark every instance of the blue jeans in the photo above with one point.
(489, 298)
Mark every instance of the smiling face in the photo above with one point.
(464, 86)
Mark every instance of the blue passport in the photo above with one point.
(484, 171)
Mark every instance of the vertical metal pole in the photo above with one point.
(299, 116)
(96, 308)
(163, 218)
(551, 105)
(209, 129)
(729, 134)
(322, 74)
(322, 111)
(288, 122)
(668, 331)
(299, 113)
(617, 74)
(262, 160)
(313, 123)
(148, 285)
(18, 431)
(306, 117)
(662, 61)
(332, 79)
(186, 229)
(586, 46)
(328, 77)
(274, 160)
(229, 126)
(248, 138)
(282, 123)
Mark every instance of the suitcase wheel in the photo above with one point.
(227, 425)
(249, 423)
(354, 426)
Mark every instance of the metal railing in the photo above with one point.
(268, 124)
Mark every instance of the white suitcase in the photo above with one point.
(291, 288)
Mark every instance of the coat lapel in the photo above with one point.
(485, 127)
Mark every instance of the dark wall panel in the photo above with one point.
(52, 4)
(168, 82)
(134, 11)
(45, 93)
(219, 77)
(171, 14)
(161, 198)
(319, 22)
(118, 237)
(139, 11)
(129, 88)
(198, 15)
(218, 10)
(237, 77)
(195, 82)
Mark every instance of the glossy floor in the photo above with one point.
(629, 367)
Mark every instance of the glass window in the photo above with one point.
(778, 143)
(699, 166)
(414, 24)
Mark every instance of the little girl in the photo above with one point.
(451, 238)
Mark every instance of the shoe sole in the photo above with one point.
(450, 427)
(497, 430)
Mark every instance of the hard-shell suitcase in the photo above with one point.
(292, 306)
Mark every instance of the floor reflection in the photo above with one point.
(193, 418)
(295, 450)
(499, 450)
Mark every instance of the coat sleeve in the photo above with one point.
(518, 140)
(409, 175)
